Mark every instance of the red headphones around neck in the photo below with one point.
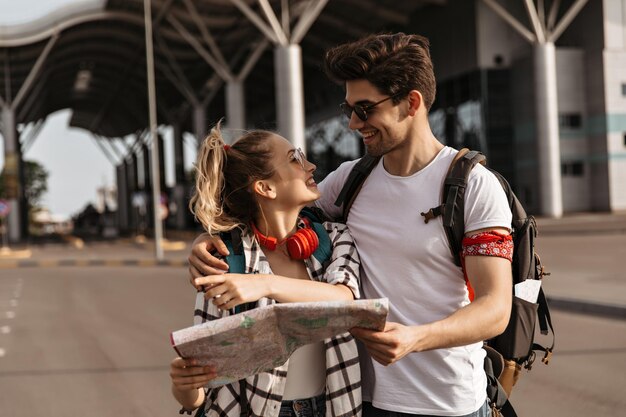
(300, 245)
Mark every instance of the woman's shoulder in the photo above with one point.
(335, 228)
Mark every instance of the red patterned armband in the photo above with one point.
(488, 244)
(485, 244)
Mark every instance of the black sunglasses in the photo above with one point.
(361, 109)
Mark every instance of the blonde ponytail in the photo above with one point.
(207, 202)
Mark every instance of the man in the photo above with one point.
(428, 360)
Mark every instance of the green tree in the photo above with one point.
(36, 183)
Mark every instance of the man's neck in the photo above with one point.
(413, 155)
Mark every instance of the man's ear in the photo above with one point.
(415, 101)
(264, 188)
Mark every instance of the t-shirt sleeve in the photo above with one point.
(330, 188)
(486, 204)
(344, 262)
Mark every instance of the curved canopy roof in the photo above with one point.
(90, 58)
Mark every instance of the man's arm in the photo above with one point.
(482, 319)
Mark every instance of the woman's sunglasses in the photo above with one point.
(361, 109)
(299, 156)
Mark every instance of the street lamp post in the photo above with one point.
(156, 184)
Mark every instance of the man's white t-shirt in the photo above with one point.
(409, 262)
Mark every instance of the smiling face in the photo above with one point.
(293, 177)
(386, 127)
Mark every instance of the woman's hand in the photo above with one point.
(201, 262)
(187, 376)
(230, 290)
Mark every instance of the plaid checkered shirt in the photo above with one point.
(264, 391)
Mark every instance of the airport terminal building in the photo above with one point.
(488, 82)
(538, 86)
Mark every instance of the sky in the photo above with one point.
(13, 12)
(76, 165)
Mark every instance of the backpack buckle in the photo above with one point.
(547, 357)
(495, 411)
(432, 213)
(531, 359)
(428, 215)
(541, 270)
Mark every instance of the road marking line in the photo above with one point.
(5, 329)
(10, 314)
(51, 263)
(2, 352)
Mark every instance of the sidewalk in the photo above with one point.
(583, 223)
(75, 252)
(584, 254)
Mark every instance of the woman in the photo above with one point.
(260, 185)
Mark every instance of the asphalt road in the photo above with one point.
(90, 341)
(94, 342)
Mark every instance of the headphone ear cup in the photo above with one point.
(315, 241)
(297, 246)
(309, 241)
(312, 240)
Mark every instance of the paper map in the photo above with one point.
(263, 338)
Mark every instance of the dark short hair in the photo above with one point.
(393, 63)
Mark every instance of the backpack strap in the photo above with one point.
(236, 261)
(496, 394)
(438, 211)
(359, 173)
(543, 313)
(452, 205)
(545, 321)
(493, 365)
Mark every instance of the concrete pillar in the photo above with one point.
(122, 198)
(23, 204)
(289, 94)
(549, 153)
(12, 162)
(132, 176)
(179, 159)
(235, 105)
(145, 167)
(147, 185)
(199, 123)
(178, 206)
(161, 162)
